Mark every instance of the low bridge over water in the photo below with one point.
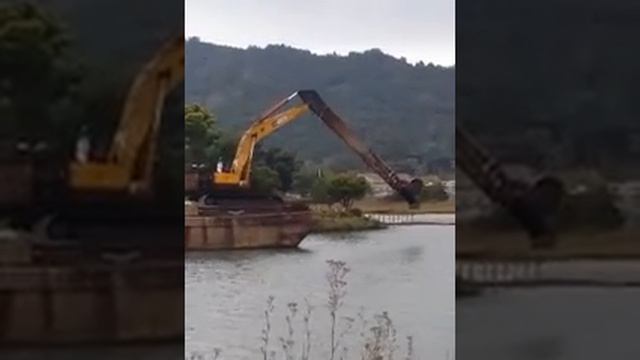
(412, 219)
(547, 272)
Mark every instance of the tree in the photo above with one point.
(264, 179)
(346, 188)
(202, 137)
(280, 161)
(303, 182)
(38, 76)
(320, 191)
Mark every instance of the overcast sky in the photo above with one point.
(416, 29)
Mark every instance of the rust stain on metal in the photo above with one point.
(97, 303)
(254, 227)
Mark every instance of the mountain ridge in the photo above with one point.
(400, 109)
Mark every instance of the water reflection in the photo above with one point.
(549, 323)
(407, 271)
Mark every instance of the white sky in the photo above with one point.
(416, 29)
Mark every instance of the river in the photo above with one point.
(407, 271)
(549, 323)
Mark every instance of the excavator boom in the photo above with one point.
(262, 127)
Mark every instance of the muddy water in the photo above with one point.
(407, 271)
(549, 323)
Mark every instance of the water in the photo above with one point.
(549, 323)
(405, 270)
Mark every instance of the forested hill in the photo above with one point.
(553, 84)
(403, 111)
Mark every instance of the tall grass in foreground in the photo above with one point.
(377, 335)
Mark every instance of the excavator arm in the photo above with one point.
(410, 191)
(273, 119)
(533, 205)
(129, 163)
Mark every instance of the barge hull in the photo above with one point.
(90, 304)
(246, 231)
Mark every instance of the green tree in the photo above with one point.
(228, 146)
(280, 161)
(320, 191)
(303, 181)
(347, 188)
(202, 137)
(264, 179)
(273, 169)
(38, 76)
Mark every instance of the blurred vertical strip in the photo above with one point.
(91, 239)
(547, 90)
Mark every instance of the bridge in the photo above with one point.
(510, 272)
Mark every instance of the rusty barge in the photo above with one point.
(245, 227)
(56, 295)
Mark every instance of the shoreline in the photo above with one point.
(382, 206)
(494, 244)
(326, 222)
(357, 219)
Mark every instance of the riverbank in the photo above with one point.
(324, 221)
(473, 241)
(386, 206)
(327, 219)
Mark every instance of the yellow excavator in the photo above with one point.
(112, 198)
(237, 176)
(111, 201)
(128, 167)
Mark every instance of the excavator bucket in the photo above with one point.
(537, 210)
(411, 192)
